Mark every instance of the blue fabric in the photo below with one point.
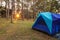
(41, 25)
(36, 20)
(47, 22)
(42, 28)
(56, 22)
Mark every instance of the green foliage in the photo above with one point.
(47, 6)
(54, 6)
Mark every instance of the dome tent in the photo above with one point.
(47, 22)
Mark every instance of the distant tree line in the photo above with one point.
(3, 12)
(40, 5)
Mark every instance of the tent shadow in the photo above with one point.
(44, 32)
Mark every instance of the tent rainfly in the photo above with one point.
(47, 22)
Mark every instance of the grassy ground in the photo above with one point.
(20, 30)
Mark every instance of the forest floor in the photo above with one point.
(20, 30)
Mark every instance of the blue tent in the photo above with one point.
(47, 22)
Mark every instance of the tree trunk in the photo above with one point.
(22, 11)
(34, 15)
(7, 8)
(13, 7)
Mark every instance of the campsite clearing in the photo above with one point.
(20, 30)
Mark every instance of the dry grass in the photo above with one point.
(20, 30)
